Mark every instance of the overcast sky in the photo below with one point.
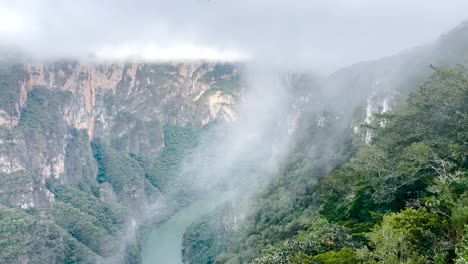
(326, 33)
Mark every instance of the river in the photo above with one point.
(164, 243)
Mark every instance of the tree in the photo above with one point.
(462, 248)
(344, 256)
(390, 245)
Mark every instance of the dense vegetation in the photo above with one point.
(43, 112)
(79, 227)
(400, 199)
(116, 167)
(81, 212)
(205, 246)
(38, 241)
(179, 143)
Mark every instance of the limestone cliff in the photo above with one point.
(126, 105)
(74, 133)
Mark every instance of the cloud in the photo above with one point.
(322, 34)
(174, 53)
(10, 22)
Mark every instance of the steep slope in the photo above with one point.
(399, 199)
(377, 85)
(77, 143)
(339, 117)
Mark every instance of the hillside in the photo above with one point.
(378, 176)
(367, 165)
(83, 148)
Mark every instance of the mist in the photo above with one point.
(234, 159)
(286, 47)
(233, 162)
(318, 35)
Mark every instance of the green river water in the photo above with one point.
(164, 243)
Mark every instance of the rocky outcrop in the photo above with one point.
(78, 140)
(51, 112)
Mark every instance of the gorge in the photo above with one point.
(228, 162)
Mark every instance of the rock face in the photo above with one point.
(76, 142)
(51, 112)
(75, 139)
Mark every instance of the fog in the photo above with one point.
(233, 162)
(323, 35)
(275, 40)
(234, 159)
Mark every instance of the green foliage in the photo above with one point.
(79, 162)
(404, 195)
(344, 256)
(178, 143)
(205, 239)
(462, 248)
(324, 236)
(411, 144)
(287, 206)
(355, 179)
(321, 237)
(84, 227)
(15, 233)
(80, 228)
(410, 236)
(110, 218)
(94, 226)
(14, 183)
(115, 167)
(436, 113)
(390, 245)
(42, 112)
(422, 228)
(27, 238)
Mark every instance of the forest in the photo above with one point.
(402, 198)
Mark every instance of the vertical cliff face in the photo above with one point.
(177, 94)
(97, 129)
(124, 105)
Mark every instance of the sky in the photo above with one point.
(323, 33)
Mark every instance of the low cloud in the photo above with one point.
(297, 33)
